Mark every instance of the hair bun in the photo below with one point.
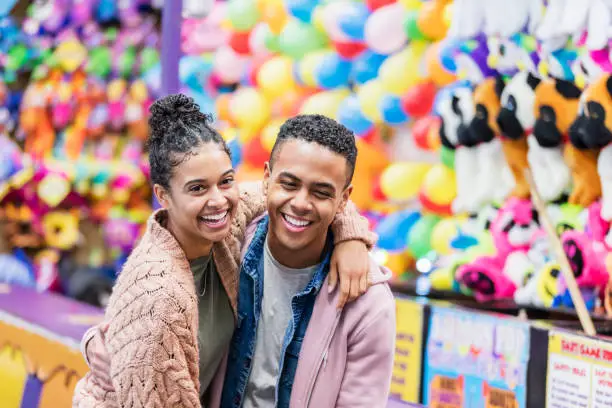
(167, 111)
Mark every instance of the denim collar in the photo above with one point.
(255, 253)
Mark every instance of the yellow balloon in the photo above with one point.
(400, 72)
(442, 279)
(443, 234)
(275, 77)
(249, 109)
(270, 132)
(411, 4)
(308, 65)
(447, 15)
(402, 181)
(324, 103)
(317, 18)
(439, 185)
(369, 96)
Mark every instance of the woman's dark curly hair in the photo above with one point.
(177, 129)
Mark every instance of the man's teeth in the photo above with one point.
(214, 218)
(295, 221)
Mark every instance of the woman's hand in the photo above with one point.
(351, 262)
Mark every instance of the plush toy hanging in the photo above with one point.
(516, 120)
(555, 107)
(494, 181)
(597, 130)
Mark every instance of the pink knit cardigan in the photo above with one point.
(152, 337)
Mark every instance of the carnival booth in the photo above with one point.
(484, 166)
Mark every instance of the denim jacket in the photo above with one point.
(250, 294)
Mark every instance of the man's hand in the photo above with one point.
(351, 262)
(99, 360)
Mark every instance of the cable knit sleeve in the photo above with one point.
(348, 225)
(153, 368)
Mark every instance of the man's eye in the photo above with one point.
(322, 194)
(289, 185)
(228, 181)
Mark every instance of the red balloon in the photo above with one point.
(420, 131)
(419, 100)
(349, 49)
(254, 154)
(434, 208)
(240, 42)
(377, 192)
(376, 4)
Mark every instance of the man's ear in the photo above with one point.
(346, 193)
(162, 195)
(266, 177)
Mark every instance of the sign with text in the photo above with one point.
(579, 372)
(475, 360)
(406, 381)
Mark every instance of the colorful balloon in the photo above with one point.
(228, 65)
(301, 9)
(270, 132)
(332, 72)
(239, 42)
(443, 234)
(400, 71)
(353, 19)
(242, 14)
(298, 39)
(420, 131)
(366, 67)
(370, 95)
(249, 109)
(413, 32)
(393, 230)
(350, 115)
(419, 99)
(384, 31)
(401, 181)
(275, 77)
(308, 65)
(439, 185)
(325, 103)
(392, 111)
(376, 4)
(419, 237)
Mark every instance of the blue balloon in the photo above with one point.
(194, 72)
(353, 19)
(447, 52)
(392, 112)
(333, 72)
(393, 230)
(365, 67)
(349, 114)
(6, 6)
(107, 10)
(301, 9)
(236, 151)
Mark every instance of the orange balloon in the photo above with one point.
(435, 71)
(431, 20)
(433, 136)
(222, 106)
(288, 104)
(370, 163)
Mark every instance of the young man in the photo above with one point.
(292, 346)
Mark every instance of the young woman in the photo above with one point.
(172, 312)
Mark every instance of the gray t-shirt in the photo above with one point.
(280, 285)
(215, 317)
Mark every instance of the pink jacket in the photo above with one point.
(346, 358)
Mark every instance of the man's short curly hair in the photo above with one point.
(323, 131)
(177, 128)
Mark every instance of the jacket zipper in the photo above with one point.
(323, 359)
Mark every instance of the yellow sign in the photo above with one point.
(406, 381)
(579, 372)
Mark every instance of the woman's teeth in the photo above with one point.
(213, 218)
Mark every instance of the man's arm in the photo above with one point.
(369, 365)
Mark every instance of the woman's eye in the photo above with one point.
(196, 189)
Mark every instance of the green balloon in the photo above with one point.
(127, 61)
(243, 14)
(447, 156)
(419, 237)
(149, 57)
(298, 39)
(412, 29)
(272, 42)
(17, 57)
(99, 62)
